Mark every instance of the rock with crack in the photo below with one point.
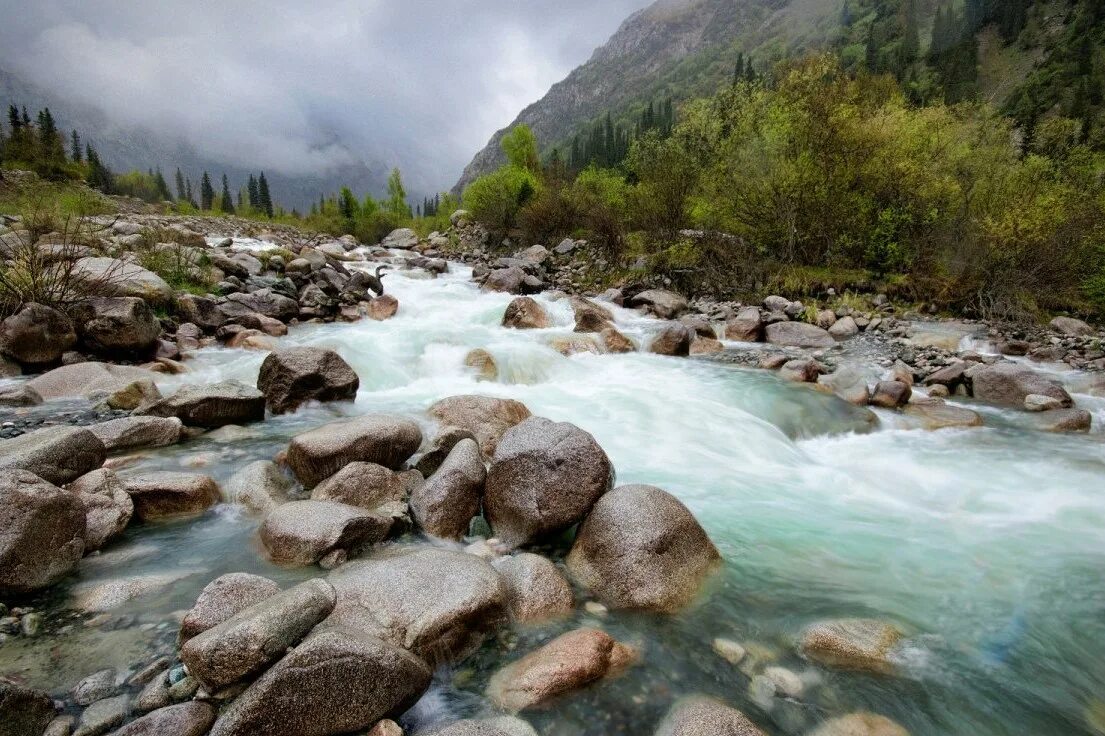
(42, 531)
(169, 494)
(486, 417)
(444, 505)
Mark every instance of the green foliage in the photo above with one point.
(520, 147)
(396, 204)
(497, 198)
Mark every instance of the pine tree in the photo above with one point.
(254, 199)
(207, 193)
(911, 39)
(99, 176)
(264, 198)
(180, 194)
(188, 193)
(227, 200)
(872, 58)
(738, 71)
(75, 150)
(162, 186)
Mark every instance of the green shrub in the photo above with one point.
(496, 199)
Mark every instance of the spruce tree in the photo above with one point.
(228, 201)
(75, 150)
(188, 192)
(180, 185)
(254, 200)
(207, 193)
(264, 198)
(162, 186)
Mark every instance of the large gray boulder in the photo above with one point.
(108, 507)
(169, 494)
(37, 335)
(113, 277)
(1009, 384)
(536, 588)
(301, 533)
(123, 327)
(42, 532)
(131, 433)
(664, 304)
(263, 301)
(545, 477)
(747, 326)
(222, 599)
(200, 311)
(674, 340)
(366, 485)
(213, 405)
(510, 280)
(486, 417)
(23, 712)
(438, 603)
(88, 380)
(55, 454)
(337, 681)
(702, 716)
(641, 548)
(1071, 326)
(444, 505)
(294, 376)
(193, 718)
(260, 486)
(403, 239)
(798, 335)
(376, 438)
(255, 637)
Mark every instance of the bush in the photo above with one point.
(496, 199)
(603, 198)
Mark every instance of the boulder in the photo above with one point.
(260, 486)
(86, 380)
(97, 686)
(108, 507)
(747, 326)
(1071, 326)
(337, 681)
(800, 370)
(616, 342)
(383, 307)
(798, 335)
(641, 548)
(103, 715)
(200, 311)
(19, 395)
(402, 239)
(123, 327)
(467, 727)
(130, 433)
(664, 304)
(1062, 420)
(168, 494)
(862, 645)
(568, 663)
(293, 376)
(222, 599)
(859, 724)
(951, 376)
(193, 718)
(1038, 403)
(252, 639)
(1008, 384)
(37, 335)
(366, 485)
(376, 438)
(544, 477)
(212, 405)
(23, 712)
(113, 277)
(675, 339)
(439, 604)
(42, 530)
(524, 313)
(444, 505)
(486, 417)
(891, 394)
(263, 301)
(302, 533)
(702, 716)
(55, 454)
(706, 346)
(848, 383)
(844, 328)
(589, 316)
(140, 393)
(942, 416)
(536, 589)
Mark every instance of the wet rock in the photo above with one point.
(675, 339)
(507, 280)
(1008, 384)
(891, 394)
(859, 724)
(140, 393)
(844, 329)
(169, 494)
(544, 477)
(747, 326)
(589, 316)
(616, 342)
(86, 380)
(1071, 326)
(575, 344)
(798, 335)
(702, 716)
(131, 433)
(800, 370)
(366, 485)
(664, 304)
(37, 335)
(118, 326)
(19, 395)
(376, 438)
(950, 376)
(383, 307)
(848, 383)
(113, 277)
(251, 640)
(524, 313)
(293, 376)
(786, 682)
(263, 301)
(223, 598)
(213, 405)
(731, 651)
(861, 645)
(55, 454)
(439, 604)
(155, 694)
(1037, 403)
(536, 589)
(260, 486)
(1062, 420)
(445, 504)
(443, 443)
(301, 533)
(199, 311)
(108, 507)
(568, 663)
(103, 715)
(42, 534)
(706, 346)
(942, 416)
(483, 363)
(23, 712)
(60, 726)
(486, 417)
(501, 726)
(187, 719)
(641, 548)
(110, 594)
(96, 686)
(337, 681)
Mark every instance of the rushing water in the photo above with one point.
(986, 545)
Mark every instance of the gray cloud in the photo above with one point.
(303, 87)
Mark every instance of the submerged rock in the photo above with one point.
(942, 416)
(212, 406)
(42, 533)
(169, 494)
(376, 438)
(55, 454)
(851, 644)
(486, 417)
(225, 597)
(103, 715)
(260, 486)
(445, 504)
(859, 724)
(293, 376)
(302, 533)
(702, 716)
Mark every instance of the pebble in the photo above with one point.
(786, 682)
(595, 608)
(96, 686)
(729, 650)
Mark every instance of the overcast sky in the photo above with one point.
(298, 86)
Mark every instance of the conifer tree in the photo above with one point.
(227, 200)
(264, 198)
(75, 150)
(207, 193)
(254, 200)
(180, 194)
(188, 193)
(162, 186)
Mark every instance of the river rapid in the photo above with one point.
(987, 546)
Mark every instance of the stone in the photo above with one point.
(507, 280)
(97, 686)
(775, 303)
(844, 329)
(103, 715)
(702, 716)
(37, 335)
(383, 307)
(140, 393)
(544, 477)
(575, 344)
(524, 313)
(255, 637)
(472, 727)
(891, 394)
(660, 302)
(19, 395)
(706, 346)
(486, 417)
(212, 405)
(132, 433)
(798, 335)
(826, 318)
(169, 494)
(155, 694)
(859, 724)
(386, 727)
(674, 340)
(108, 507)
(483, 363)
(616, 342)
(848, 383)
(862, 645)
(105, 595)
(122, 327)
(337, 681)
(366, 485)
(86, 380)
(301, 533)
(55, 454)
(536, 589)
(568, 663)
(747, 326)
(731, 651)
(376, 438)
(403, 238)
(589, 316)
(1037, 403)
(1071, 326)
(23, 712)
(641, 548)
(445, 504)
(194, 718)
(800, 370)
(950, 376)
(293, 376)
(1009, 384)
(60, 726)
(222, 599)
(199, 311)
(113, 277)
(1063, 420)
(787, 683)
(440, 604)
(263, 301)
(260, 486)
(443, 443)
(942, 416)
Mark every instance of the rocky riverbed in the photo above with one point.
(477, 505)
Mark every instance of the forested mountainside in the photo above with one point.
(1028, 57)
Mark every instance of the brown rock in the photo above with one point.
(798, 335)
(706, 346)
(859, 724)
(23, 712)
(37, 335)
(851, 644)
(42, 530)
(383, 307)
(130, 433)
(212, 405)
(293, 376)
(444, 505)
(444, 442)
(702, 716)
(187, 719)
(484, 364)
(376, 438)
(1008, 384)
(536, 589)
(747, 326)
(616, 342)
(108, 507)
(589, 316)
(55, 454)
(675, 339)
(524, 313)
(484, 416)
(301, 533)
(223, 598)
(891, 394)
(260, 486)
(168, 494)
(118, 326)
(366, 485)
